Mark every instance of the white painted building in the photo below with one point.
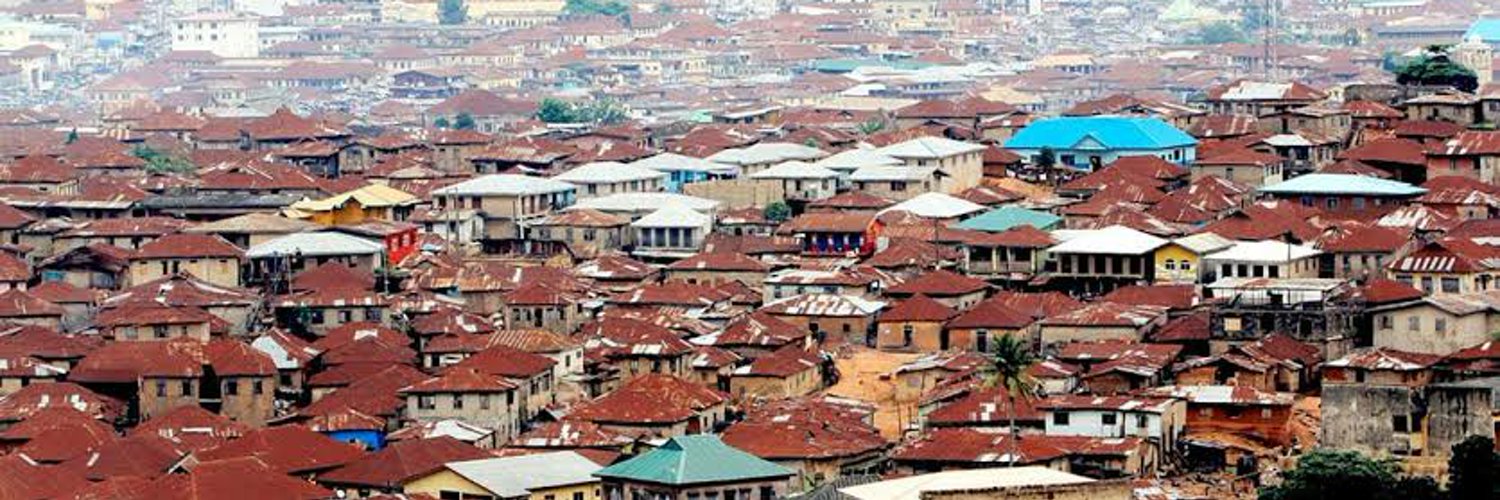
(226, 34)
(1159, 421)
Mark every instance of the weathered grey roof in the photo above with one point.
(513, 477)
(313, 244)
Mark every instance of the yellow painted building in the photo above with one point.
(562, 475)
(374, 201)
(1180, 261)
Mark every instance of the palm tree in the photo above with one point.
(1012, 359)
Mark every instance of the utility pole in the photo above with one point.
(1268, 35)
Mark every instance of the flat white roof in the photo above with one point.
(505, 184)
(1268, 251)
(1112, 240)
(936, 206)
(795, 169)
(673, 162)
(766, 152)
(883, 173)
(607, 172)
(929, 147)
(912, 488)
(674, 216)
(858, 158)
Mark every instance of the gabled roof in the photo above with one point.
(186, 246)
(328, 243)
(1385, 359)
(505, 185)
(1112, 132)
(696, 459)
(720, 261)
(1110, 240)
(515, 477)
(936, 206)
(1108, 314)
(939, 283)
(1008, 217)
(1342, 184)
(992, 313)
(650, 399)
(400, 462)
(918, 309)
(929, 148)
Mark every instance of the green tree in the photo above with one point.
(72, 137)
(441, 122)
(605, 111)
(1434, 67)
(452, 12)
(1253, 18)
(777, 211)
(1217, 33)
(1336, 475)
(1011, 361)
(556, 111)
(1046, 158)
(160, 163)
(872, 126)
(464, 121)
(1473, 469)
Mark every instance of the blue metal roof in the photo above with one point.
(1488, 30)
(1110, 132)
(1343, 184)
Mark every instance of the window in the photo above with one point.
(257, 387)
(1141, 421)
(458, 401)
(1107, 419)
(232, 387)
(1450, 285)
(160, 331)
(1413, 324)
(898, 186)
(1385, 322)
(484, 401)
(1060, 418)
(161, 388)
(1399, 423)
(426, 402)
(1440, 325)
(187, 388)
(1170, 265)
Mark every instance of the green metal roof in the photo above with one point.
(697, 459)
(1344, 184)
(1004, 218)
